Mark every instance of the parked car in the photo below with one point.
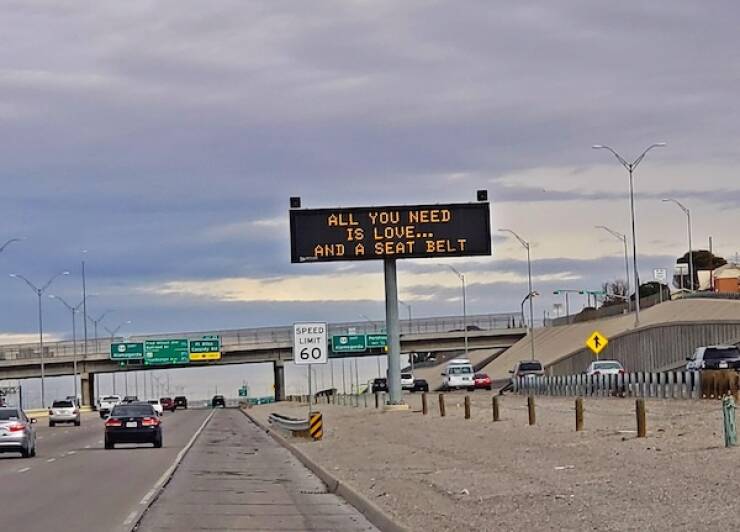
(605, 367)
(130, 399)
(420, 385)
(218, 400)
(714, 357)
(133, 423)
(64, 412)
(458, 374)
(106, 404)
(158, 408)
(180, 402)
(380, 385)
(167, 404)
(481, 380)
(17, 433)
(407, 381)
(528, 368)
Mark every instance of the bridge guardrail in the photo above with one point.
(261, 335)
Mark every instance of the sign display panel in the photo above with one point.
(395, 232)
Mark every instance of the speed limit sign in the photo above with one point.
(310, 343)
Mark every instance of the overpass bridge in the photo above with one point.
(256, 345)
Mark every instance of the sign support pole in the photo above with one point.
(309, 387)
(394, 337)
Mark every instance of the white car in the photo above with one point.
(64, 412)
(605, 367)
(458, 374)
(157, 406)
(407, 381)
(106, 404)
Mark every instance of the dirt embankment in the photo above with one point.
(433, 473)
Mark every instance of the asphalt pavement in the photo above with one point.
(236, 477)
(74, 484)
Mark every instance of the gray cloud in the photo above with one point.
(131, 130)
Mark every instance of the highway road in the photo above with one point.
(74, 484)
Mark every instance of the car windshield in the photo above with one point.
(153, 402)
(460, 370)
(481, 376)
(407, 376)
(110, 398)
(8, 414)
(721, 353)
(530, 366)
(607, 365)
(62, 404)
(132, 411)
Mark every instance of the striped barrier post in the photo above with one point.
(316, 425)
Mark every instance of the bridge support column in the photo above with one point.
(278, 369)
(87, 385)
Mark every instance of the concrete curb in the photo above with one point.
(370, 510)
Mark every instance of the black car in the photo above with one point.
(420, 385)
(133, 423)
(380, 385)
(218, 400)
(180, 402)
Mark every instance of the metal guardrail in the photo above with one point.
(289, 423)
(231, 339)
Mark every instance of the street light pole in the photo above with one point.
(526, 246)
(465, 307)
(95, 325)
(623, 238)
(73, 310)
(40, 292)
(687, 212)
(113, 333)
(530, 296)
(84, 303)
(8, 242)
(630, 168)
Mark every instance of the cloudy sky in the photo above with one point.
(166, 137)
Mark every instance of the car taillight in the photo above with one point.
(51, 412)
(113, 422)
(597, 373)
(149, 422)
(621, 372)
(16, 427)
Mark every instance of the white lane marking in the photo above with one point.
(71, 452)
(51, 460)
(88, 446)
(24, 469)
(100, 442)
(167, 474)
(130, 518)
(39, 437)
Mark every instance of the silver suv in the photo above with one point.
(17, 434)
(64, 412)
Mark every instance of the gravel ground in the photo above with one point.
(433, 473)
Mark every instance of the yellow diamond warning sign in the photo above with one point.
(597, 342)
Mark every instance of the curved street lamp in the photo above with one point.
(74, 310)
(623, 238)
(39, 292)
(631, 168)
(687, 212)
(526, 246)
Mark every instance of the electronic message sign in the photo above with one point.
(400, 232)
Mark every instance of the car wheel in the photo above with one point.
(25, 453)
(33, 450)
(52, 424)
(77, 423)
(108, 444)
(158, 442)
(488, 388)
(471, 388)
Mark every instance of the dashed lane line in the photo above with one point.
(24, 469)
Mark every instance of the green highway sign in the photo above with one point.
(170, 351)
(126, 350)
(243, 391)
(377, 340)
(209, 348)
(348, 343)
